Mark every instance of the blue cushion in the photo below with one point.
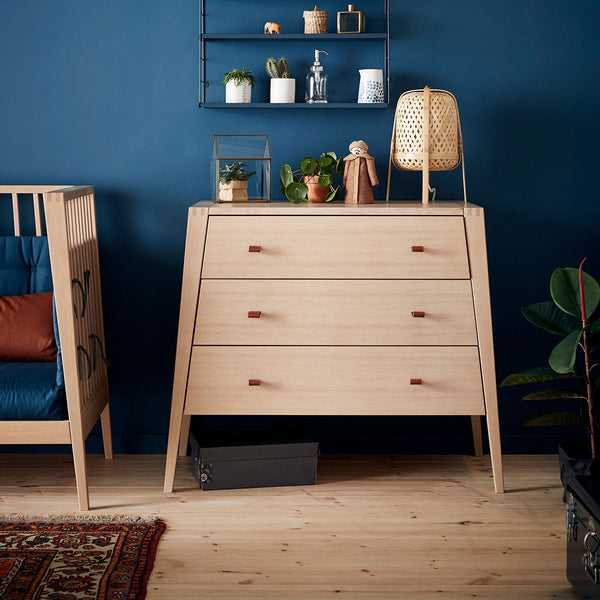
(24, 266)
(28, 392)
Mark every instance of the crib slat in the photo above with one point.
(37, 214)
(16, 219)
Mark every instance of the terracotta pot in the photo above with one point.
(316, 193)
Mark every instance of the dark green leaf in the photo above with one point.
(564, 288)
(308, 165)
(548, 316)
(339, 167)
(547, 417)
(338, 193)
(535, 375)
(325, 161)
(553, 394)
(595, 327)
(324, 180)
(332, 154)
(296, 192)
(286, 175)
(562, 359)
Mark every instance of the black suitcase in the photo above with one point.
(583, 535)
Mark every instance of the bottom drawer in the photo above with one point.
(298, 380)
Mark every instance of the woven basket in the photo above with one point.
(315, 21)
(426, 135)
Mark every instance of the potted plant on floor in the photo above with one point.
(575, 297)
(233, 182)
(283, 87)
(313, 180)
(238, 86)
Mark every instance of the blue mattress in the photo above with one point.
(29, 391)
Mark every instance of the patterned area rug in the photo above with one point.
(81, 560)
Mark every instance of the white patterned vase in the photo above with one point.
(371, 86)
(238, 94)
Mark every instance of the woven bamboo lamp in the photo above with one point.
(426, 136)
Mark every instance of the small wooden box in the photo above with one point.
(253, 458)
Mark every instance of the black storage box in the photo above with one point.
(583, 535)
(252, 458)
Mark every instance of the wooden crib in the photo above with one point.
(70, 223)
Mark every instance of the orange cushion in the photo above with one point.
(26, 328)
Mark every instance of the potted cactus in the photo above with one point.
(233, 182)
(283, 87)
(238, 86)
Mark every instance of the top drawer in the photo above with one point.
(335, 247)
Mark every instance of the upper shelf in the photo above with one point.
(302, 105)
(294, 36)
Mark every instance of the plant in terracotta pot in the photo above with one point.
(313, 180)
(233, 182)
(575, 296)
(238, 86)
(283, 87)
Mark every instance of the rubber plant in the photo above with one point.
(328, 168)
(575, 297)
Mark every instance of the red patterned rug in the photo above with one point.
(81, 560)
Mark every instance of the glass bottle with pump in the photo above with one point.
(316, 82)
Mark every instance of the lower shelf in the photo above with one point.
(294, 105)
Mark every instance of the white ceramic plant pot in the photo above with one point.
(238, 94)
(283, 90)
(371, 86)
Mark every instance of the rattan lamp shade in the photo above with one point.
(426, 135)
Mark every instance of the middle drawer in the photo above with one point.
(335, 312)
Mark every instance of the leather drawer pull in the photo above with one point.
(417, 248)
(416, 381)
(417, 313)
(253, 381)
(254, 314)
(254, 248)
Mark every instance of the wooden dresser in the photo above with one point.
(380, 309)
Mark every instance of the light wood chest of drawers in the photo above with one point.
(379, 309)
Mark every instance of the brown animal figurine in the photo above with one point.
(272, 27)
(359, 174)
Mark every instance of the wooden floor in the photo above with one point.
(381, 528)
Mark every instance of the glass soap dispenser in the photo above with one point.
(316, 82)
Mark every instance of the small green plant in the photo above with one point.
(575, 296)
(328, 168)
(234, 172)
(278, 69)
(239, 76)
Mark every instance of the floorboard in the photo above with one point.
(412, 527)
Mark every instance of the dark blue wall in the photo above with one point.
(106, 93)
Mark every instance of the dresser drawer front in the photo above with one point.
(296, 380)
(330, 247)
(335, 312)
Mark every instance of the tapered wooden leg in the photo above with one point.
(185, 435)
(106, 433)
(78, 445)
(475, 230)
(192, 266)
(477, 437)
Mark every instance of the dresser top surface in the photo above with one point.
(443, 208)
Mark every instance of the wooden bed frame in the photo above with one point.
(71, 229)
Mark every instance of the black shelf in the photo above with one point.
(355, 37)
(301, 105)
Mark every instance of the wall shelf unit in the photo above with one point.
(380, 39)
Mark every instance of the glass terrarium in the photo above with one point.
(240, 169)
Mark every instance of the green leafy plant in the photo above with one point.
(239, 76)
(575, 297)
(278, 69)
(234, 172)
(328, 168)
